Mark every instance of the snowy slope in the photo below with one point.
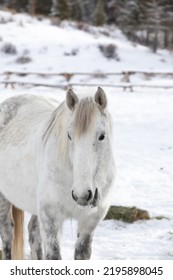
(142, 124)
(52, 48)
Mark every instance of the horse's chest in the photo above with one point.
(64, 195)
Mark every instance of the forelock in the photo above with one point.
(84, 115)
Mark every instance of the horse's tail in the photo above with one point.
(18, 240)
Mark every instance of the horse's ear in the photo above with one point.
(71, 99)
(100, 98)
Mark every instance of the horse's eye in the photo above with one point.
(69, 137)
(101, 137)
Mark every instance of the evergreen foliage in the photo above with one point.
(148, 22)
(75, 10)
(43, 7)
(63, 10)
(18, 5)
(100, 16)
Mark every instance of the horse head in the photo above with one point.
(88, 132)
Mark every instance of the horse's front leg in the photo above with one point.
(86, 227)
(83, 246)
(35, 239)
(50, 227)
(6, 227)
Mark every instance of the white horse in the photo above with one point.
(56, 162)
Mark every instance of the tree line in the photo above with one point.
(148, 22)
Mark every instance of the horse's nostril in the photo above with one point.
(85, 198)
(74, 196)
(89, 195)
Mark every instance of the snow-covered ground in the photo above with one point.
(142, 124)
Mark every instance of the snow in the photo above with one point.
(142, 125)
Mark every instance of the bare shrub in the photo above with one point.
(4, 20)
(55, 21)
(83, 26)
(23, 59)
(72, 52)
(9, 48)
(109, 51)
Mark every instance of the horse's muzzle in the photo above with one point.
(88, 199)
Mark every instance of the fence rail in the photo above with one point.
(124, 84)
(99, 73)
(128, 86)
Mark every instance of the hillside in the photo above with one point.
(73, 47)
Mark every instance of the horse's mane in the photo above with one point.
(85, 113)
(56, 125)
